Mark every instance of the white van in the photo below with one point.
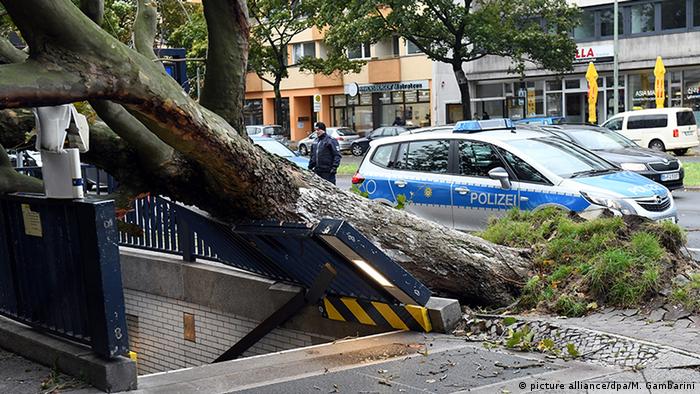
(661, 129)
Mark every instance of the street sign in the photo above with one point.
(317, 103)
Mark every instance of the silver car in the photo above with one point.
(344, 135)
(269, 131)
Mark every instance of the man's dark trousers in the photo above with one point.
(330, 177)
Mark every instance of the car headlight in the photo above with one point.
(633, 166)
(614, 204)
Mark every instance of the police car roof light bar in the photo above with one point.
(474, 126)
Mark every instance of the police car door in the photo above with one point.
(422, 182)
(476, 196)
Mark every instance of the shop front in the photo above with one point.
(365, 107)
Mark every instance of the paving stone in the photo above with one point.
(656, 315)
(675, 313)
(630, 312)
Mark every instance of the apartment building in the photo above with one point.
(395, 82)
(647, 29)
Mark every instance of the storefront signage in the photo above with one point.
(644, 95)
(692, 93)
(353, 89)
(594, 53)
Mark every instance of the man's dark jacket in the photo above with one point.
(325, 155)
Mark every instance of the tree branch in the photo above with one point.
(11, 181)
(32, 84)
(145, 28)
(10, 54)
(94, 9)
(224, 81)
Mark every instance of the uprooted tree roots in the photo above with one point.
(579, 265)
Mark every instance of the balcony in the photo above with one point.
(384, 70)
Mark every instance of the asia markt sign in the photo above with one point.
(594, 53)
(353, 89)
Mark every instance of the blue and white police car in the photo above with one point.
(460, 177)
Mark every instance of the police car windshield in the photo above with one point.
(601, 140)
(561, 157)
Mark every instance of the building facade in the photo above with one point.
(647, 29)
(395, 83)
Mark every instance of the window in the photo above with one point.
(647, 121)
(477, 159)
(587, 27)
(303, 50)
(424, 156)
(672, 14)
(359, 52)
(696, 12)
(382, 156)
(615, 124)
(607, 22)
(685, 118)
(642, 18)
(524, 171)
(395, 45)
(411, 48)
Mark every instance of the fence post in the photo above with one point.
(186, 239)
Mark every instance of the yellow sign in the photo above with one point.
(32, 221)
(592, 78)
(659, 89)
(531, 102)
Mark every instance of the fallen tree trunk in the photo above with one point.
(215, 168)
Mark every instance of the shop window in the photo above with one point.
(417, 114)
(306, 49)
(586, 29)
(489, 90)
(397, 97)
(353, 100)
(339, 100)
(361, 51)
(366, 99)
(424, 96)
(554, 104)
(454, 113)
(553, 85)
(691, 88)
(411, 48)
(642, 18)
(607, 22)
(411, 96)
(641, 88)
(673, 14)
(252, 112)
(384, 98)
(573, 84)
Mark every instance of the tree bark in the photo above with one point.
(279, 114)
(227, 59)
(463, 84)
(220, 171)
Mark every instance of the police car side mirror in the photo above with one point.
(502, 175)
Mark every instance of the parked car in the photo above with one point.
(661, 129)
(29, 158)
(279, 149)
(360, 145)
(344, 135)
(462, 177)
(619, 150)
(270, 131)
(542, 120)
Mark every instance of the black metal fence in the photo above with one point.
(60, 271)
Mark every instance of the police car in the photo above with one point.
(461, 177)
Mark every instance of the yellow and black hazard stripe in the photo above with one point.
(401, 317)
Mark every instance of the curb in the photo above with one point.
(73, 359)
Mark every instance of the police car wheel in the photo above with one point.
(304, 150)
(357, 150)
(657, 145)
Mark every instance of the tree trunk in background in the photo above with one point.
(279, 114)
(463, 84)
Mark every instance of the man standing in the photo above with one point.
(325, 154)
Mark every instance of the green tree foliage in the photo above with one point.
(274, 24)
(526, 31)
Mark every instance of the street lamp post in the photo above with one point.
(616, 72)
